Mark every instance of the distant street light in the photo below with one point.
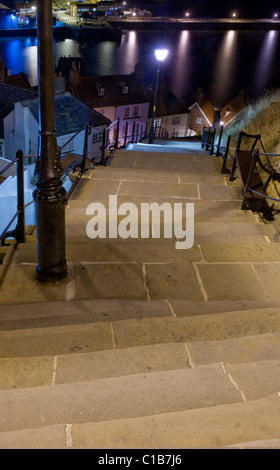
(161, 55)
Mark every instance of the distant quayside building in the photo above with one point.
(102, 8)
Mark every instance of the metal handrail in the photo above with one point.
(19, 231)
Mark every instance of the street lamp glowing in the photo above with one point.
(161, 55)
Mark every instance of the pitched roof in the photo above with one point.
(87, 90)
(18, 80)
(9, 95)
(167, 103)
(200, 99)
(71, 115)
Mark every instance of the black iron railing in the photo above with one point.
(19, 231)
(210, 142)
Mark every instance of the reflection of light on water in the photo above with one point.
(265, 61)
(105, 57)
(13, 56)
(181, 67)
(30, 55)
(223, 77)
(130, 54)
(68, 47)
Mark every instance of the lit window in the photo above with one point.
(124, 90)
(199, 121)
(101, 91)
(158, 122)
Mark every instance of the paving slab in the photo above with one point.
(117, 397)
(109, 281)
(237, 350)
(233, 239)
(258, 379)
(21, 372)
(220, 229)
(47, 437)
(214, 192)
(174, 164)
(139, 332)
(151, 250)
(128, 174)
(187, 190)
(21, 286)
(116, 363)
(185, 307)
(230, 281)
(250, 252)
(52, 341)
(45, 314)
(96, 190)
(172, 281)
(200, 428)
(269, 275)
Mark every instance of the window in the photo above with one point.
(175, 120)
(136, 111)
(101, 91)
(97, 137)
(124, 90)
(157, 122)
(65, 145)
(126, 112)
(199, 121)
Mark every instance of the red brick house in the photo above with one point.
(201, 112)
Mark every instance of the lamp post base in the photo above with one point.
(50, 214)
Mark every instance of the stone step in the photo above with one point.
(131, 174)
(258, 355)
(165, 161)
(143, 394)
(134, 332)
(50, 313)
(254, 424)
(139, 396)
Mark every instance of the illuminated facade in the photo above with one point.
(102, 8)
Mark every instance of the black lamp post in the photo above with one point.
(161, 55)
(50, 195)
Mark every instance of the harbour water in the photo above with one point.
(221, 62)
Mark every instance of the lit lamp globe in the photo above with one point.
(161, 54)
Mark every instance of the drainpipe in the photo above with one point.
(49, 196)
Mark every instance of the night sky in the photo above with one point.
(212, 8)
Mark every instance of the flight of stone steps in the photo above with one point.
(145, 346)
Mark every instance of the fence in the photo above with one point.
(208, 142)
(137, 134)
(19, 231)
